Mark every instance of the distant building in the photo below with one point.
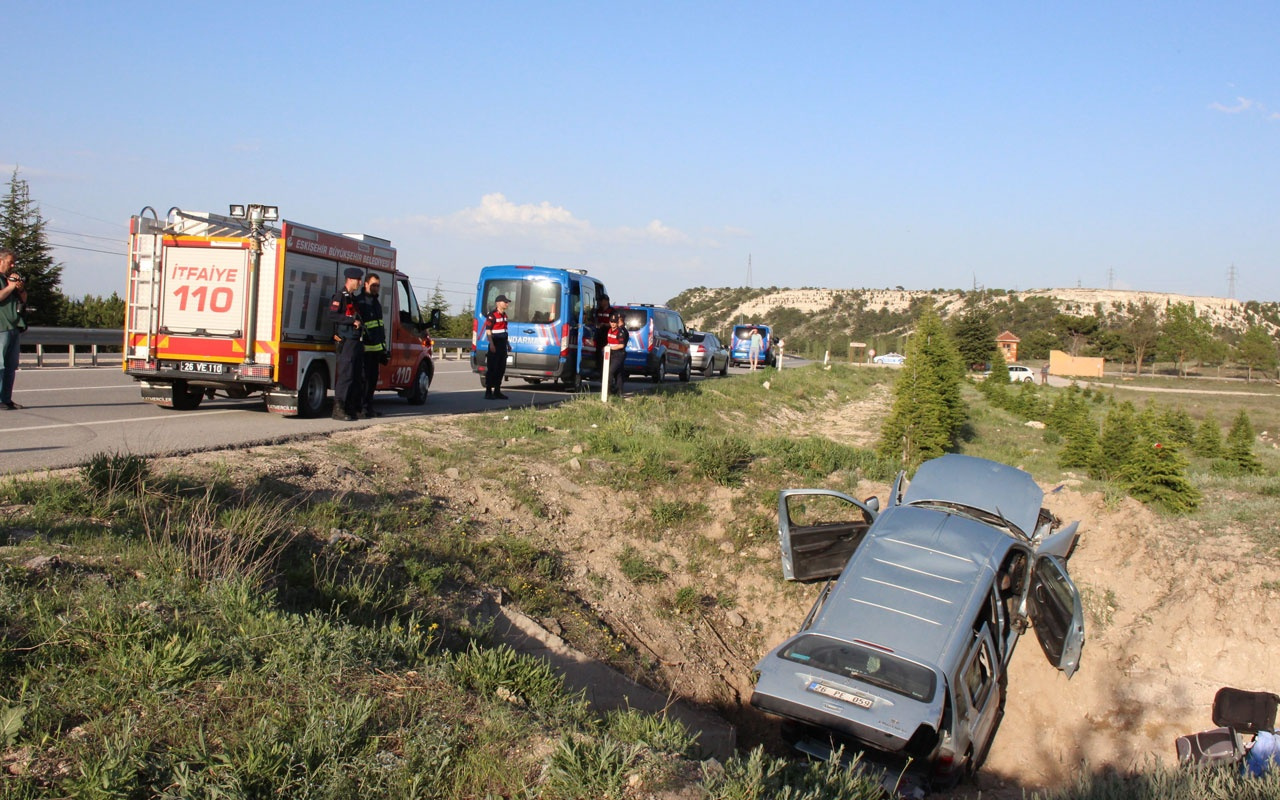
(1008, 344)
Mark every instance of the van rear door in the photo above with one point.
(819, 530)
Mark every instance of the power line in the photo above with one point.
(86, 235)
(90, 249)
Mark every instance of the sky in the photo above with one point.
(663, 146)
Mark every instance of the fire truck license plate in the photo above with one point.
(839, 694)
(201, 366)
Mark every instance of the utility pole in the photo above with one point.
(1111, 278)
(748, 270)
(1231, 282)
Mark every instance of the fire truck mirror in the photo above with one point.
(434, 322)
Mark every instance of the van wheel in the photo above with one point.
(186, 398)
(687, 372)
(313, 390)
(660, 374)
(417, 394)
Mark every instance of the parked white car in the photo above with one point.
(889, 358)
(1019, 373)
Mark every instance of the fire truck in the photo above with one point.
(234, 304)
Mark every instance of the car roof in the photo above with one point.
(988, 486)
(916, 574)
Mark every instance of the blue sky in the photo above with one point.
(663, 146)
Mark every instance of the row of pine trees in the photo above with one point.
(1147, 453)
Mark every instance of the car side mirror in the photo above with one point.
(872, 503)
(433, 321)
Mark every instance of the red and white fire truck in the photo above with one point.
(235, 305)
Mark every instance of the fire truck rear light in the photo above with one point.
(256, 371)
(137, 363)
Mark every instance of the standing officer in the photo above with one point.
(495, 364)
(376, 352)
(344, 313)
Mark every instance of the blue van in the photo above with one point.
(551, 323)
(740, 352)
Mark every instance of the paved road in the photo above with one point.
(72, 414)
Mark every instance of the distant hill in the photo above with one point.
(827, 317)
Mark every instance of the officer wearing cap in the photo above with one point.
(344, 313)
(495, 365)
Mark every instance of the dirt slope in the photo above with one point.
(1173, 612)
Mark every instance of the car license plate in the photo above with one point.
(839, 694)
(203, 366)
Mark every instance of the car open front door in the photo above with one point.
(1058, 616)
(818, 531)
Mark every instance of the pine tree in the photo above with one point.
(1239, 449)
(1081, 448)
(1115, 445)
(1208, 441)
(1156, 475)
(1178, 427)
(22, 231)
(927, 411)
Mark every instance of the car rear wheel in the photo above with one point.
(687, 372)
(725, 369)
(660, 374)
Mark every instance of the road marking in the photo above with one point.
(187, 415)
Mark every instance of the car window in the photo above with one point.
(698, 338)
(531, 300)
(979, 674)
(866, 664)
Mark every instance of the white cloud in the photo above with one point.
(543, 224)
(1242, 104)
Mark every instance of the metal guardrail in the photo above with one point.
(38, 338)
(71, 339)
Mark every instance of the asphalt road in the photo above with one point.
(72, 414)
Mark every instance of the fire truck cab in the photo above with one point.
(236, 305)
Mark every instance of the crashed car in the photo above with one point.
(906, 651)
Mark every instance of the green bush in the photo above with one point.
(111, 474)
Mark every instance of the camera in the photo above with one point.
(16, 278)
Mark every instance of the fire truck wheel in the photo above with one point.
(186, 398)
(421, 384)
(313, 390)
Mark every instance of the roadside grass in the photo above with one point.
(183, 637)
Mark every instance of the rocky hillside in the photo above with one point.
(879, 315)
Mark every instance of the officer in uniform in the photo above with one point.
(376, 352)
(495, 365)
(344, 313)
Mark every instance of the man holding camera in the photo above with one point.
(13, 295)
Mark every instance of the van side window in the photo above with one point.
(979, 674)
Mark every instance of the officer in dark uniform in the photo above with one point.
(376, 352)
(495, 364)
(344, 313)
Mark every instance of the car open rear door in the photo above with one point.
(818, 531)
(1056, 611)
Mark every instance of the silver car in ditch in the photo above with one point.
(906, 650)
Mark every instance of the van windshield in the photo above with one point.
(866, 664)
(534, 301)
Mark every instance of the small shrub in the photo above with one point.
(687, 599)
(639, 569)
(109, 474)
(595, 768)
(659, 732)
(723, 460)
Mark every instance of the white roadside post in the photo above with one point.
(604, 379)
